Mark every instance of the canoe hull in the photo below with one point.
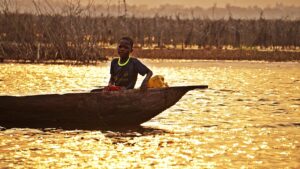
(87, 110)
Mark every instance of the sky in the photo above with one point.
(209, 3)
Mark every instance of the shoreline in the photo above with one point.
(174, 54)
(72, 63)
(220, 54)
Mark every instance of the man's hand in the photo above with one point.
(144, 87)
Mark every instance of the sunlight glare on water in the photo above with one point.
(248, 118)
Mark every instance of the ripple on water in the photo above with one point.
(279, 125)
(212, 125)
(288, 124)
(227, 90)
(296, 81)
(279, 112)
(263, 100)
(296, 124)
(275, 103)
(180, 110)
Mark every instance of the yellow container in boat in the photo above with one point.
(157, 81)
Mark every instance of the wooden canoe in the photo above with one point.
(88, 110)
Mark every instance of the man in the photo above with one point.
(125, 69)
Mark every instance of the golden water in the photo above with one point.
(248, 118)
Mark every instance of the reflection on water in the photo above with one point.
(248, 118)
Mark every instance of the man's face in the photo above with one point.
(124, 48)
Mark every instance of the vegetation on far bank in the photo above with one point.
(164, 53)
(77, 34)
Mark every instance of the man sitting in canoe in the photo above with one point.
(125, 69)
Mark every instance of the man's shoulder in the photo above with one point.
(135, 60)
(114, 61)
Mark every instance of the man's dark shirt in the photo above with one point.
(126, 76)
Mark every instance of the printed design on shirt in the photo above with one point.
(122, 79)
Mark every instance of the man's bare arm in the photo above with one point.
(146, 80)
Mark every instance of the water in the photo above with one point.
(248, 118)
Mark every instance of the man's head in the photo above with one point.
(125, 47)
